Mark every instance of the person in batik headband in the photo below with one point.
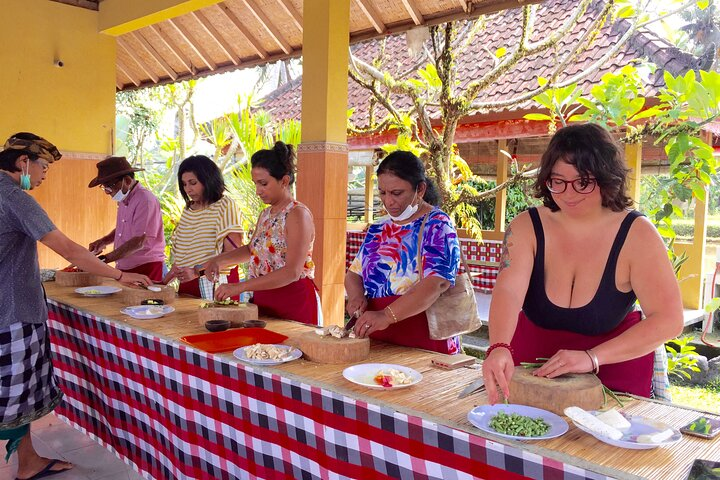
(30, 155)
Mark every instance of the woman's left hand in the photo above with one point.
(565, 361)
(227, 290)
(371, 321)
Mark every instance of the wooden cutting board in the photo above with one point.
(237, 314)
(333, 350)
(77, 279)
(583, 390)
(133, 296)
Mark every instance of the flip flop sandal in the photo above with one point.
(47, 471)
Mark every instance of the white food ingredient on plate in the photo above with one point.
(153, 288)
(655, 437)
(261, 351)
(614, 418)
(589, 421)
(151, 311)
(335, 331)
(397, 377)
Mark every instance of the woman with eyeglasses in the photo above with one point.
(574, 269)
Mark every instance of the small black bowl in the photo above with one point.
(254, 323)
(217, 325)
(152, 301)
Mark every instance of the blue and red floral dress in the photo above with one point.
(387, 263)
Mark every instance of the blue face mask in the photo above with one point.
(25, 178)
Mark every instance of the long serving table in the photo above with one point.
(173, 411)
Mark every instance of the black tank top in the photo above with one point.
(605, 311)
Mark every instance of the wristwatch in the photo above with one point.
(199, 270)
(102, 258)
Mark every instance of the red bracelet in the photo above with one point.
(499, 345)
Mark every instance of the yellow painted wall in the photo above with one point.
(72, 106)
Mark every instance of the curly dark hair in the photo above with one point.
(407, 166)
(595, 154)
(207, 173)
(278, 161)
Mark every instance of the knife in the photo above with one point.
(476, 385)
(352, 321)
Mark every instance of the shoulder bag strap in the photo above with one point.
(419, 245)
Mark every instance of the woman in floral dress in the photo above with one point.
(384, 285)
(279, 253)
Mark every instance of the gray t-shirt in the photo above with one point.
(22, 223)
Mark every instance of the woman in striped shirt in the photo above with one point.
(209, 225)
(280, 251)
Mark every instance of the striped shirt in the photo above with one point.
(200, 233)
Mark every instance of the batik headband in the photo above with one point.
(40, 147)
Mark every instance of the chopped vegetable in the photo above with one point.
(519, 425)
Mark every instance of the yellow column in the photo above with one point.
(633, 158)
(692, 272)
(323, 153)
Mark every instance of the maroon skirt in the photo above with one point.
(409, 332)
(154, 270)
(192, 287)
(296, 301)
(632, 376)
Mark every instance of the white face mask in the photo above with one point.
(120, 196)
(408, 212)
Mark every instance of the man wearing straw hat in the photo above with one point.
(28, 389)
(138, 235)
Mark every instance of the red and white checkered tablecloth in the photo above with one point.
(487, 252)
(174, 412)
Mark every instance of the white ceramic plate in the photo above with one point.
(482, 415)
(97, 290)
(364, 374)
(147, 312)
(638, 426)
(292, 354)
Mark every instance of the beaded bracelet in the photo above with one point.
(499, 345)
(594, 360)
(392, 314)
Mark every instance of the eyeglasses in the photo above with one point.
(580, 185)
(109, 188)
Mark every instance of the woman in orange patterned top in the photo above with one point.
(279, 253)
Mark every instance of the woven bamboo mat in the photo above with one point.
(435, 397)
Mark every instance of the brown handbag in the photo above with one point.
(455, 311)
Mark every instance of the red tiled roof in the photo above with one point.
(501, 31)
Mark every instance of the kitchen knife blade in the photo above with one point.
(477, 384)
(351, 323)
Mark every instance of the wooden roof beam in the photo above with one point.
(145, 68)
(217, 36)
(168, 42)
(372, 15)
(268, 26)
(261, 52)
(117, 17)
(194, 44)
(155, 54)
(294, 14)
(414, 12)
(464, 4)
(126, 71)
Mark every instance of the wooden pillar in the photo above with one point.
(692, 273)
(633, 158)
(369, 193)
(323, 152)
(501, 175)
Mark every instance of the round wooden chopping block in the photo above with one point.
(133, 296)
(583, 390)
(236, 314)
(329, 349)
(77, 279)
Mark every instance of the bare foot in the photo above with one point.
(41, 467)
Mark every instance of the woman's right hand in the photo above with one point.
(356, 306)
(498, 369)
(134, 279)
